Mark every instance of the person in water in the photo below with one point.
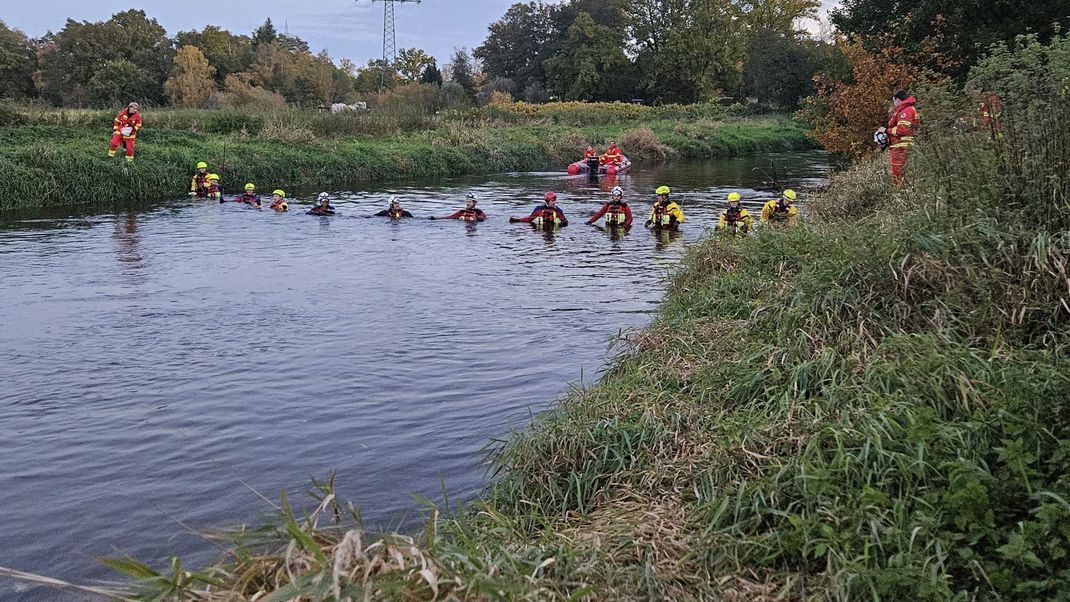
(323, 207)
(469, 213)
(199, 185)
(735, 220)
(665, 214)
(617, 212)
(395, 211)
(782, 211)
(215, 190)
(249, 197)
(546, 215)
(278, 201)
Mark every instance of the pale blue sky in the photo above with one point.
(346, 28)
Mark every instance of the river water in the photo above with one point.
(162, 364)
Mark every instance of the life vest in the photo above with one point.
(200, 184)
(615, 215)
(663, 217)
(732, 215)
(612, 157)
(249, 199)
(400, 213)
(548, 216)
(281, 206)
(215, 191)
(470, 215)
(903, 125)
(591, 154)
(781, 210)
(124, 119)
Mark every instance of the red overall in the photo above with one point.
(125, 119)
(902, 127)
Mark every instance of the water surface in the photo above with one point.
(161, 364)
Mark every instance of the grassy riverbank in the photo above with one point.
(59, 157)
(872, 406)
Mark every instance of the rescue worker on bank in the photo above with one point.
(394, 211)
(901, 129)
(324, 206)
(617, 212)
(215, 190)
(125, 128)
(199, 186)
(278, 201)
(469, 213)
(249, 197)
(665, 214)
(781, 211)
(546, 215)
(735, 220)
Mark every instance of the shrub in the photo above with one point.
(642, 144)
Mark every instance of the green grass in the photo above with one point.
(67, 164)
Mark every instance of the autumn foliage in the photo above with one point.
(844, 114)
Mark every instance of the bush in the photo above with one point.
(642, 144)
(10, 115)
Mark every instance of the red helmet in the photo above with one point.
(550, 196)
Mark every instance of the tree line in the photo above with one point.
(658, 51)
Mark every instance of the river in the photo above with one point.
(163, 365)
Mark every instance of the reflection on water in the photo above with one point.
(160, 363)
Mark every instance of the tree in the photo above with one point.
(519, 43)
(777, 16)
(17, 64)
(226, 52)
(265, 34)
(68, 60)
(462, 71)
(191, 81)
(948, 35)
(845, 113)
(591, 64)
(780, 69)
(411, 63)
(119, 82)
(501, 87)
(687, 50)
(431, 75)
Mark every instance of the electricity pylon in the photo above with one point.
(390, 50)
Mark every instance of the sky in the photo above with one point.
(345, 28)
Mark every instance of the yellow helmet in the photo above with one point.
(278, 192)
(202, 165)
(662, 190)
(250, 186)
(789, 194)
(213, 176)
(733, 197)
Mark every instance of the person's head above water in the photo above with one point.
(617, 194)
(550, 199)
(324, 199)
(395, 203)
(733, 199)
(250, 187)
(470, 201)
(278, 194)
(662, 193)
(202, 167)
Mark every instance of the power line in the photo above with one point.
(390, 50)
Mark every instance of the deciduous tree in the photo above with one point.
(191, 81)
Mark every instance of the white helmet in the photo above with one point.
(393, 199)
(880, 138)
(617, 191)
(471, 196)
(323, 197)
